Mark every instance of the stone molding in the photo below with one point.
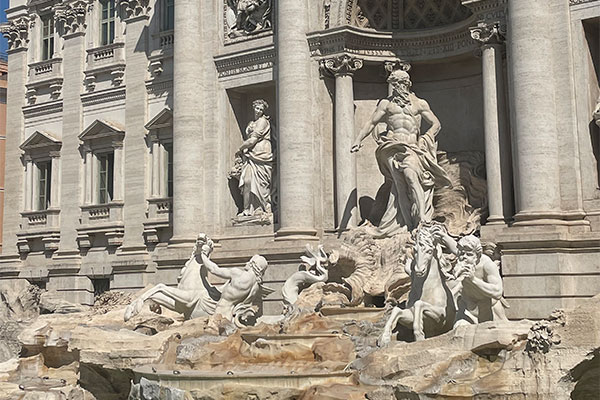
(42, 109)
(341, 65)
(577, 2)
(70, 17)
(103, 96)
(382, 46)
(16, 32)
(239, 63)
(158, 88)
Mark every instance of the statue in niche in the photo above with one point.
(405, 157)
(254, 166)
(248, 16)
(194, 296)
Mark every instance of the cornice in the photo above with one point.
(47, 108)
(104, 96)
(246, 61)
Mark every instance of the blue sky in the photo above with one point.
(3, 6)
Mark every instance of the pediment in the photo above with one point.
(40, 140)
(161, 120)
(101, 128)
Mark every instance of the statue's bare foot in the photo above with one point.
(133, 309)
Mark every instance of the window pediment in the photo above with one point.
(100, 129)
(161, 120)
(40, 140)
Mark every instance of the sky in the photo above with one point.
(3, 43)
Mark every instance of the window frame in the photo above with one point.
(167, 15)
(107, 37)
(44, 184)
(106, 167)
(47, 37)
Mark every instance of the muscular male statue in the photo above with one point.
(479, 291)
(405, 157)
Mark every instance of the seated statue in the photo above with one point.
(478, 288)
(195, 297)
(250, 16)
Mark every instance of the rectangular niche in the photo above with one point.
(251, 217)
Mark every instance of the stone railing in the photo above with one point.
(39, 219)
(158, 218)
(105, 56)
(166, 40)
(102, 213)
(45, 70)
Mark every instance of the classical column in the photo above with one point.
(55, 179)
(118, 180)
(533, 111)
(16, 31)
(343, 68)
(129, 169)
(294, 104)
(188, 191)
(497, 141)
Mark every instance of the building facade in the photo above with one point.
(125, 117)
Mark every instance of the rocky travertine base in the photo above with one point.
(93, 354)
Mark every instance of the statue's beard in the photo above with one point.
(401, 95)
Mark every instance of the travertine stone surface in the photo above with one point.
(296, 129)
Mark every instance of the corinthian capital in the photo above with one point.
(341, 64)
(71, 16)
(16, 32)
(488, 32)
(135, 8)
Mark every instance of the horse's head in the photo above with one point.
(424, 249)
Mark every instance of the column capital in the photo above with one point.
(16, 32)
(488, 32)
(70, 17)
(135, 10)
(341, 65)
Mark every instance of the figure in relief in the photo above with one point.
(250, 16)
(405, 157)
(478, 287)
(195, 296)
(255, 162)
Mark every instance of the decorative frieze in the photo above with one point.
(16, 32)
(240, 63)
(70, 17)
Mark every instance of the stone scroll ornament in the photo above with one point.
(246, 17)
(444, 294)
(253, 168)
(235, 301)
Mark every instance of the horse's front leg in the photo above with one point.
(398, 315)
(423, 309)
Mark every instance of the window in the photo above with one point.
(44, 190)
(105, 177)
(168, 15)
(107, 22)
(169, 150)
(47, 37)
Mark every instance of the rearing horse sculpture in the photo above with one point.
(430, 307)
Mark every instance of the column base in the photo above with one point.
(537, 218)
(496, 220)
(296, 234)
